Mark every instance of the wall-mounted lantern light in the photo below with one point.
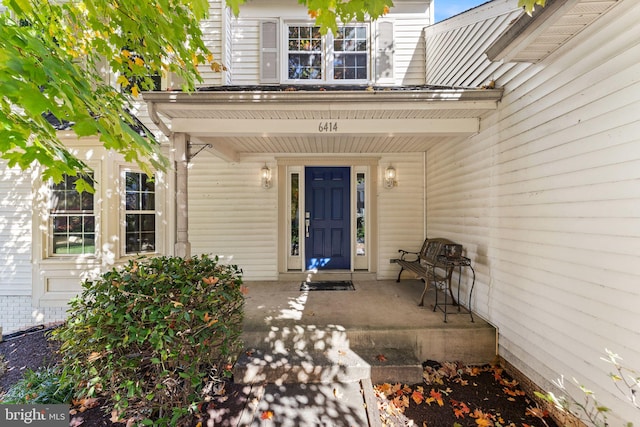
(390, 177)
(265, 175)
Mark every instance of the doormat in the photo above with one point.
(338, 285)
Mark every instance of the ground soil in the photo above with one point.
(451, 395)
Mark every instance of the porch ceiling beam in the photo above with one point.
(444, 105)
(318, 127)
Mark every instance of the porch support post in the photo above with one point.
(182, 246)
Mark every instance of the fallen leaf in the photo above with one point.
(381, 358)
(266, 415)
(417, 397)
(536, 412)
(437, 396)
(401, 402)
(115, 416)
(337, 393)
(94, 356)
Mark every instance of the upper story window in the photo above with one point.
(306, 52)
(351, 53)
(343, 57)
(140, 213)
(72, 219)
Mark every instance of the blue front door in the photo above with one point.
(327, 220)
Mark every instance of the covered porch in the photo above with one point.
(222, 137)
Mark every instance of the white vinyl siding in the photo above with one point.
(401, 211)
(213, 30)
(456, 48)
(546, 201)
(15, 231)
(232, 216)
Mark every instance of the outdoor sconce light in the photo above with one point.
(265, 175)
(390, 177)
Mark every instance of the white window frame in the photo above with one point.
(157, 247)
(49, 250)
(328, 56)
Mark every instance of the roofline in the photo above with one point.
(524, 27)
(323, 97)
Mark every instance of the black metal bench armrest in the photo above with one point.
(404, 253)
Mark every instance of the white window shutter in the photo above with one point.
(269, 58)
(384, 51)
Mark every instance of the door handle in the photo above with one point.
(306, 227)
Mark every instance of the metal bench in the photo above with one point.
(434, 264)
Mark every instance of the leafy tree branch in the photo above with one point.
(54, 57)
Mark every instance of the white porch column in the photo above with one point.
(182, 246)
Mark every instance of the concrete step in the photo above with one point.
(392, 365)
(333, 365)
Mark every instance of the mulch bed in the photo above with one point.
(451, 395)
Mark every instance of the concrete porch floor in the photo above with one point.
(311, 357)
(334, 327)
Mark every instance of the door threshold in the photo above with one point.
(327, 275)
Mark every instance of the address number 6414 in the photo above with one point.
(327, 127)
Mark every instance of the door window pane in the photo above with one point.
(295, 214)
(360, 210)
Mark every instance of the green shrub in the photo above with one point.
(149, 336)
(43, 386)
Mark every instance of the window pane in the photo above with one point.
(148, 202)
(147, 222)
(89, 224)
(133, 201)
(148, 242)
(75, 224)
(73, 200)
(147, 184)
(87, 202)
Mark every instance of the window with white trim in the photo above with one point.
(340, 58)
(72, 219)
(140, 213)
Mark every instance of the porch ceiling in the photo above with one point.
(232, 122)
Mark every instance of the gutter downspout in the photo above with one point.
(180, 142)
(153, 115)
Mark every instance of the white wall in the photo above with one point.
(546, 200)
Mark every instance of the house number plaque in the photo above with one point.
(328, 127)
